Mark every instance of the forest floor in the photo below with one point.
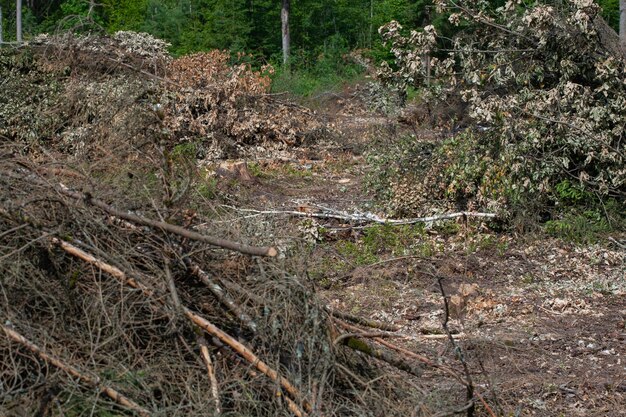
(541, 321)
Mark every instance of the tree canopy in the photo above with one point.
(252, 26)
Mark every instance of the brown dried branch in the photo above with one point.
(362, 346)
(407, 352)
(166, 227)
(206, 357)
(248, 355)
(459, 352)
(112, 393)
(376, 335)
(109, 269)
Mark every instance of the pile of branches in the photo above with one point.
(83, 94)
(212, 97)
(132, 307)
(542, 86)
(88, 96)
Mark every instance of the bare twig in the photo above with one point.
(362, 320)
(377, 335)
(380, 354)
(248, 355)
(203, 323)
(221, 295)
(461, 410)
(172, 287)
(109, 269)
(457, 349)
(112, 393)
(206, 357)
(408, 353)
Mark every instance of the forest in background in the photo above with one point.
(319, 29)
(322, 32)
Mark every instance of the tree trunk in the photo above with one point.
(0, 25)
(284, 19)
(369, 40)
(18, 18)
(622, 23)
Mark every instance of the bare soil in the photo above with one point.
(543, 328)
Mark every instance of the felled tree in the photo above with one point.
(547, 82)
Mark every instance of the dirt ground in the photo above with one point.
(541, 322)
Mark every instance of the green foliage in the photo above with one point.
(585, 227)
(610, 12)
(207, 188)
(125, 15)
(571, 193)
(308, 76)
(385, 239)
(184, 151)
(241, 25)
(237, 25)
(390, 161)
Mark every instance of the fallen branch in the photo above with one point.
(206, 357)
(353, 342)
(171, 228)
(109, 269)
(407, 352)
(461, 410)
(344, 336)
(115, 395)
(470, 384)
(247, 354)
(327, 213)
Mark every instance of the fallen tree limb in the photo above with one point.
(327, 213)
(378, 335)
(247, 354)
(407, 352)
(109, 269)
(171, 228)
(166, 227)
(206, 357)
(95, 381)
(357, 344)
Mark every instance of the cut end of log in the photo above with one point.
(272, 252)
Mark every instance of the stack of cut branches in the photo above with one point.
(108, 309)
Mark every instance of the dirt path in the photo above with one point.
(542, 322)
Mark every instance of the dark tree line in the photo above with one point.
(253, 26)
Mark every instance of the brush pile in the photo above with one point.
(541, 88)
(117, 296)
